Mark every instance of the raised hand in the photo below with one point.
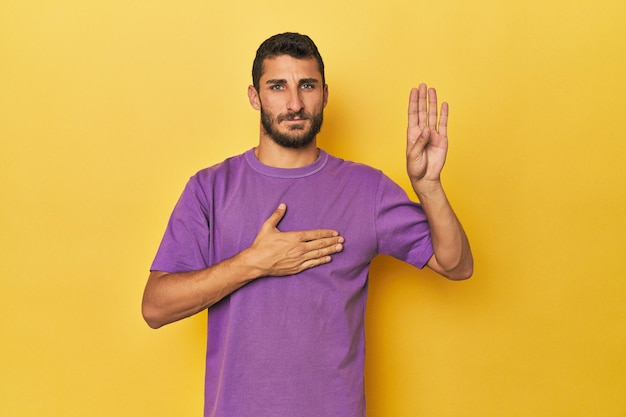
(427, 140)
(279, 253)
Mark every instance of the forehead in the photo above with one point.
(287, 67)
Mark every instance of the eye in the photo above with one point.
(276, 87)
(307, 86)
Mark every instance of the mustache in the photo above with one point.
(300, 115)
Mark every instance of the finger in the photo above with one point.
(327, 245)
(420, 144)
(413, 108)
(312, 263)
(330, 247)
(432, 108)
(321, 253)
(443, 120)
(422, 118)
(313, 235)
(276, 216)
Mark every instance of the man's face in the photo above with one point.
(291, 99)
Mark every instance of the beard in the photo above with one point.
(298, 136)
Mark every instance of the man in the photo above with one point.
(277, 244)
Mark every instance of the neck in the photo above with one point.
(272, 154)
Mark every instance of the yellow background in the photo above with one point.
(107, 107)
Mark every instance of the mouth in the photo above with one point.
(293, 117)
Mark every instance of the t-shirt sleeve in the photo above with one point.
(401, 225)
(185, 244)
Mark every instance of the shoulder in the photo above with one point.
(342, 167)
(220, 172)
(222, 168)
(358, 174)
(377, 182)
(206, 181)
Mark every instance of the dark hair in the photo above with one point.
(292, 44)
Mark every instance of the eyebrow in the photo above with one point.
(309, 81)
(300, 82)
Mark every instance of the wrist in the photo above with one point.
(427, 189)
(247, 266)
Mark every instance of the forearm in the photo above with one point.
(452, 254)
(169, 297)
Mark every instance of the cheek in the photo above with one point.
(270, 102)
(316, 102)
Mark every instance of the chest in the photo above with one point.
(241, 206)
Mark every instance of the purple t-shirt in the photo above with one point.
(291, 346)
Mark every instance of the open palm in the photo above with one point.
(427, 140)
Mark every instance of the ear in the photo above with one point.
(325, 94)
(253, 96)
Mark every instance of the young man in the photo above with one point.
(252, 240)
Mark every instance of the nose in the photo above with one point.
(295, 103)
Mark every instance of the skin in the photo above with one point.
(426, 150)
(287, 86)
(290, 87)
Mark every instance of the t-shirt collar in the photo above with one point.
(299, 172)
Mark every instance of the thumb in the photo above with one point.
(420, 143)
(276, 216)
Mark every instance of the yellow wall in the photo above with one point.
(107, 107)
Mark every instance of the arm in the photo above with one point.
(169, 297)
(427, 147)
